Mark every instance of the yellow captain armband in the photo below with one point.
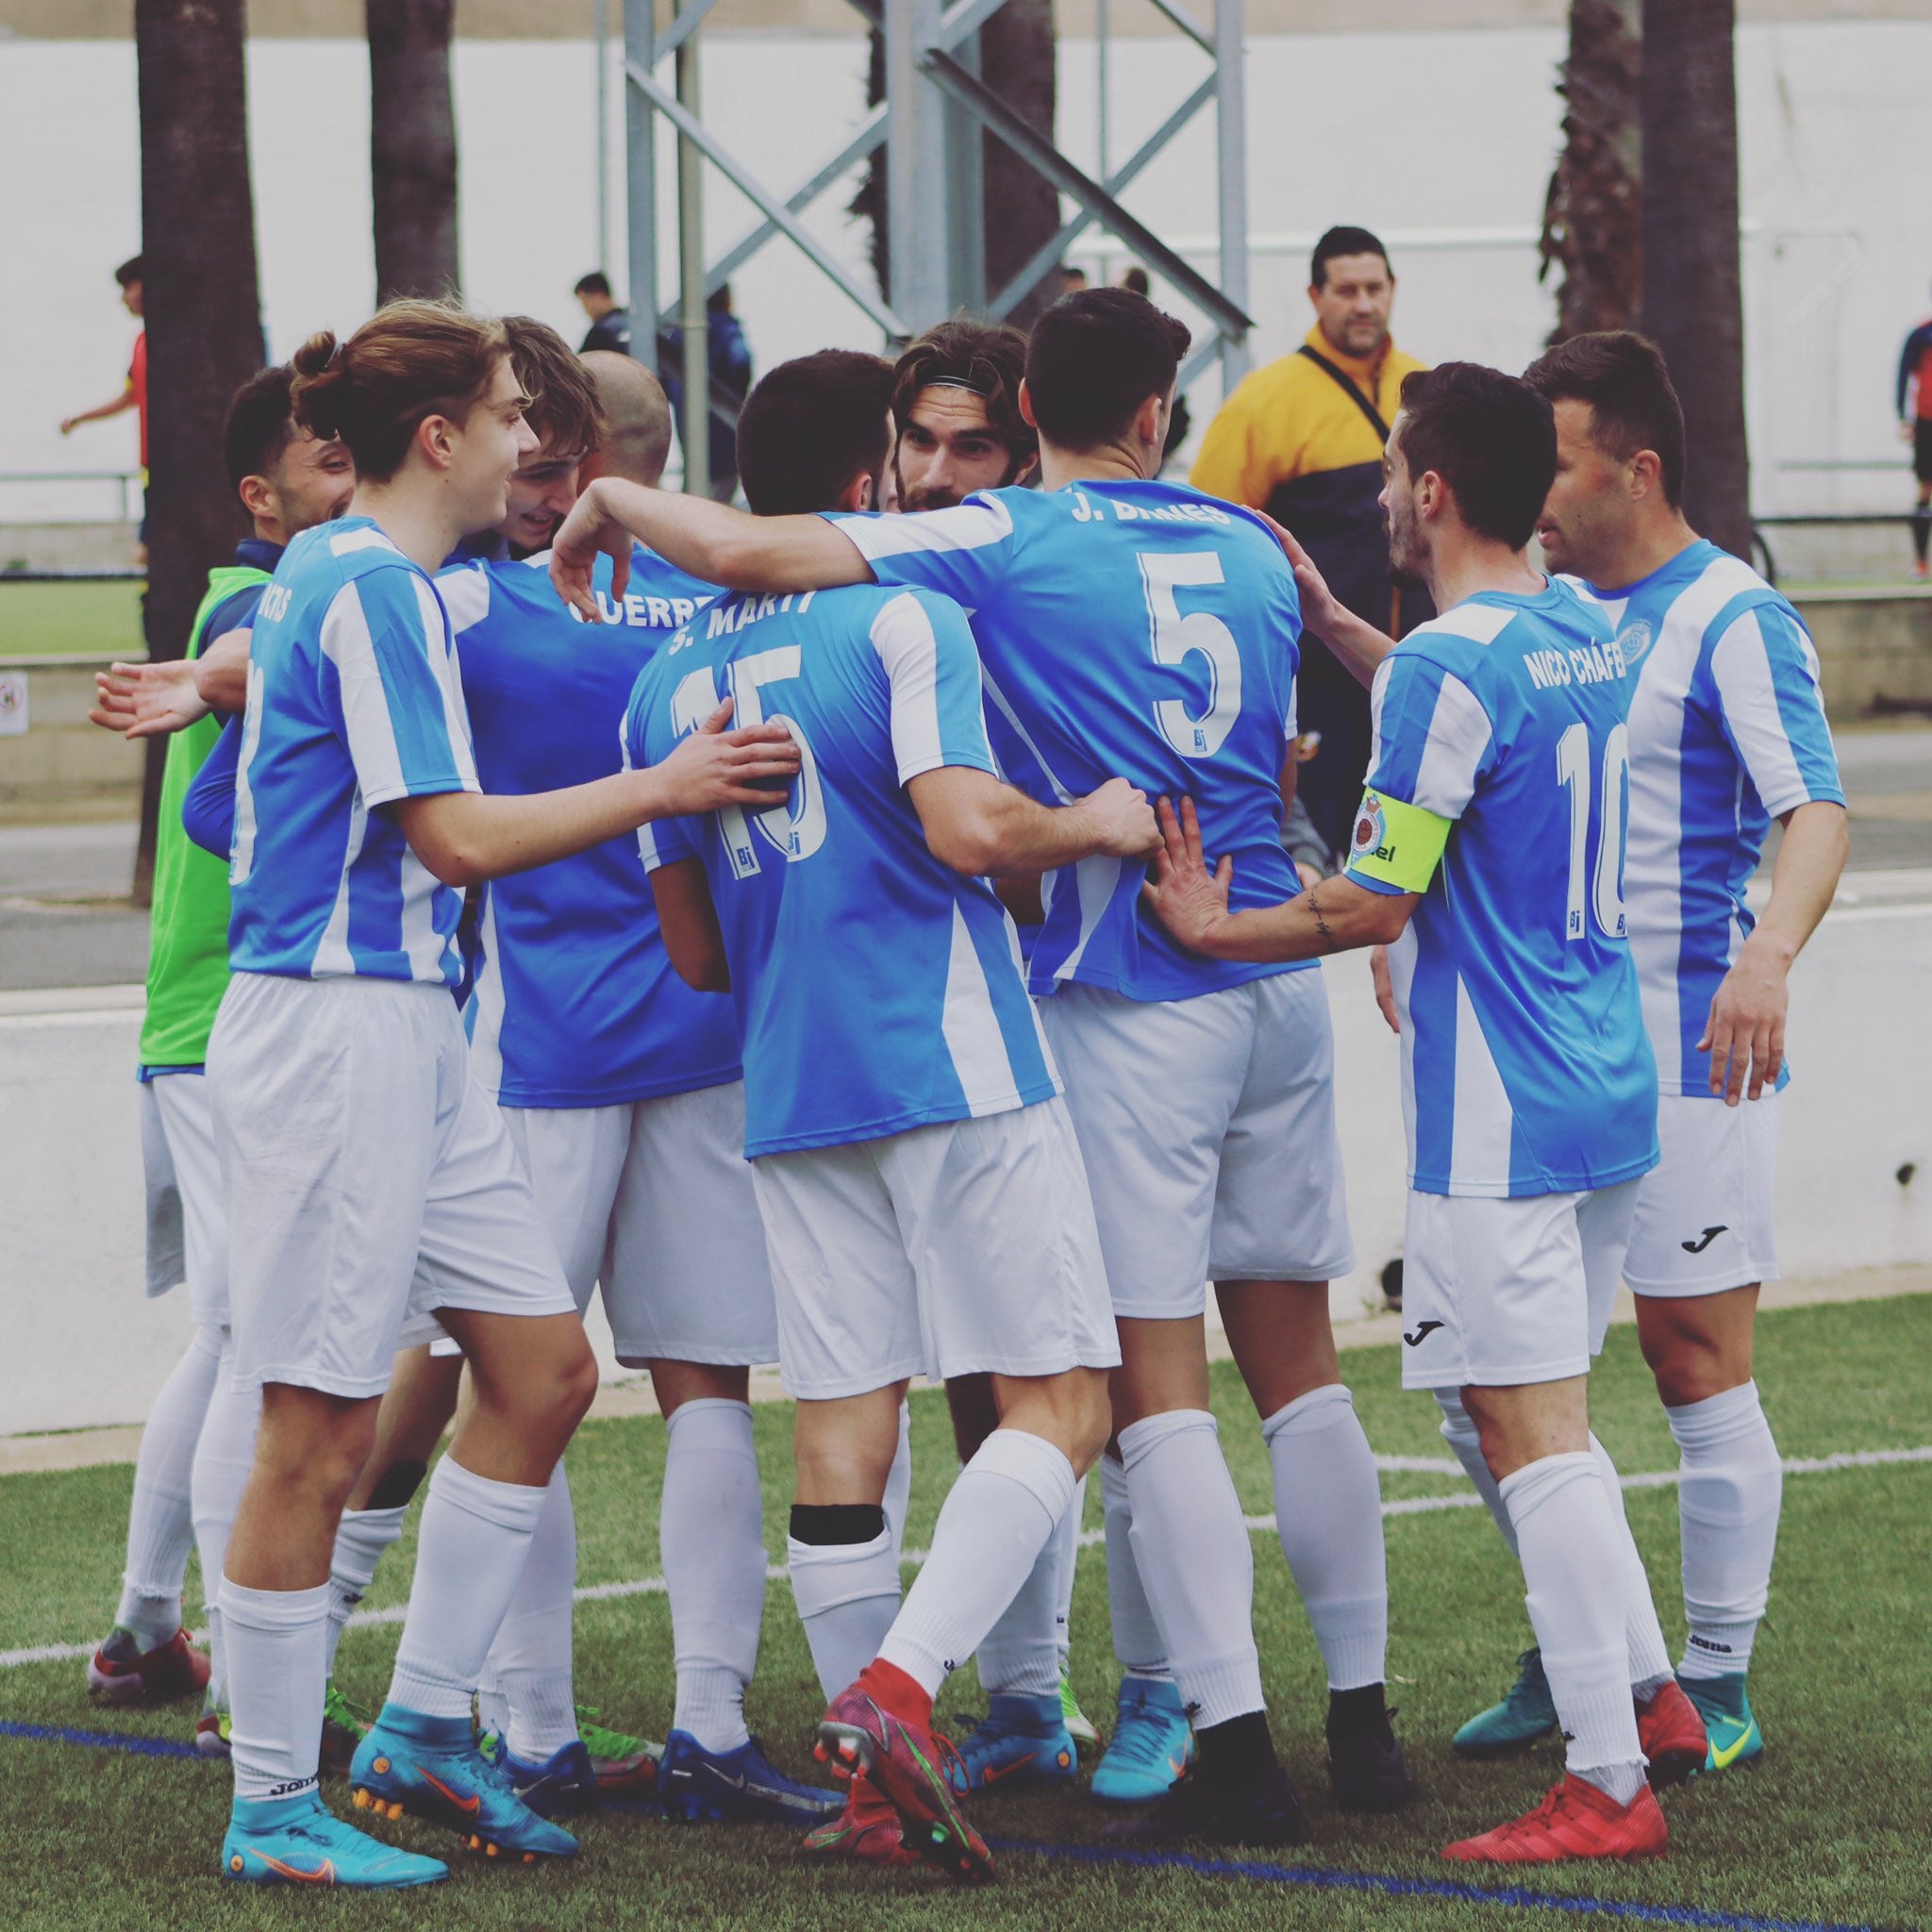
(1396, 844)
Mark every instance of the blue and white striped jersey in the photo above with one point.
(1728, 732)
(573, 1002)
(1500, 727)
(1137, 630)
(354, 702)
(877, 990)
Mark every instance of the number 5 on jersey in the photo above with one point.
(802, 831)
(1177, 636)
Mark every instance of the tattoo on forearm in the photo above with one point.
(1324, 930)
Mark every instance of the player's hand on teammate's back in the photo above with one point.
(1320, 606)
(716, 766)
(1384, 988)
(1184, 895)
(1124, 821)
(582, 535)
(1745, 1032)
(147, 700)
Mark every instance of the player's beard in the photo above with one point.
(1405, 553)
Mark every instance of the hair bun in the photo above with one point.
(315, 395)
(316, 353)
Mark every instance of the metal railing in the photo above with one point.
(125, 483)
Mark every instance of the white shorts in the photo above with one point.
(955, 1249)
(188, 1234)
(654, 1199)
(1209, 1130)
(1497, 1293)
(369, 1183)
(1705, 1219)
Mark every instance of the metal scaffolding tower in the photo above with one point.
(936, 107)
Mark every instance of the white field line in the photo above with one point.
(1401, 1505)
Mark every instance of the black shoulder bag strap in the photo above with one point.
(1349, 390)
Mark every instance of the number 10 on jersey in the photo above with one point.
(1606, 878)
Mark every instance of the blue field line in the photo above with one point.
(1323, 1878)
(101, 1740)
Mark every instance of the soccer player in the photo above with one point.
(1124, 623)
(288, 480)
(1728, 732)
(368, 1184)
(921, 1185)
(955, 414)
(1487, 854)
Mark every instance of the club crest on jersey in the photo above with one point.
(1370, 839)
(1635, 641)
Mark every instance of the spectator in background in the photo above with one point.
(609, 320)
(1135, 280)
(1915, 379)
(134, 396)
(1071, 279)
(728, 356)
(1301, 438)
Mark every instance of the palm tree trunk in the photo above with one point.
(1693, 293)
(203, 313)
(1592, 215)
(412, 148)
(1016, 61)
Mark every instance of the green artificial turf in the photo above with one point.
(93, 620)
(1830, 1826)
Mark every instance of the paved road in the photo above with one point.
(65, 920)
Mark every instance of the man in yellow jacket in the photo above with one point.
(1301, 438)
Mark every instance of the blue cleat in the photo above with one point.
(564, 1785)
(295, 1841)
(1729, 1724)
(739, 1787)
(1525, 1715)
(1153, 1745)
(430, 1766)
(1023, 1739)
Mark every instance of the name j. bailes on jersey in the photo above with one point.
(1596, 665)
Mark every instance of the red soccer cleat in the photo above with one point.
(1672, 1732)
(882, 1726)
(867, 1829)
(122, 1673)
(1575, 1820)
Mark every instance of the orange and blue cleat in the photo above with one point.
(295, 1841)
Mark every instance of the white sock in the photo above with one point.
(712, 1538)
(1195, 1561)
(1020, 1657)
(475, 1536)
(1649, 1661)
(275, 1639)
(222, 1459)
(996, 1519)
(161, 1519)
(1067, 1550)
(1728, 1498)
(1329, 1513)
(847, 1595)
(1575, 1577)
(1138, 1645)
(361, 1537)
(524, 1694)
(898, 1497)
(1459, 1431)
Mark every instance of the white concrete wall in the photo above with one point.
(80, 1347)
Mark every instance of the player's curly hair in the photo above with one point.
(988, 359)
(564, 409)
(411, 360)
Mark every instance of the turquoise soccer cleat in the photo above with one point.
(296, 1841)
(431, 1767)
(1525, 1715)
(1152, 1745)
(1023, 1739)
(1728, 1721)
(741, 1787)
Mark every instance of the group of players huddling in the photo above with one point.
(795, 1087)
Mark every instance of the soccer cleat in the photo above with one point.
(295, 1841)
(1525, 1715)
(1366, 1767)
(431, 1767)
(1575, 1820)
(564, 1785)
(122, 1673)
(627, 1767)
(1080, 1725)
(344, 1725)
(212, 1729)
(1152, 1746)
(1262, 1812)
(1670, 1730)
(741, 1787)
(1731, 1733)
(866, 1829)
(907, 1765)
(1021, 1738)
